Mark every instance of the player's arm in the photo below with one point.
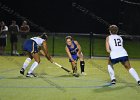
(41, 50)
(20, 29)
(45, 51)
(78, 46)
(107, 45)
(68, 53)
(28, 28)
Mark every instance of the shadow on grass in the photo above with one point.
(65, 76)
(110, 87)
(17, 77)
(24, 76)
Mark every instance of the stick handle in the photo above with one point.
(61, 67)
(57, 64)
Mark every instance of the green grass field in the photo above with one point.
(132, 46)
(53, 83)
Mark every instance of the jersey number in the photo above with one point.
(117, 42)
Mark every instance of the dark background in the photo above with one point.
(60, 16)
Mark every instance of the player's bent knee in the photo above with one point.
(38, 61)
(127, 67)
(73, 63)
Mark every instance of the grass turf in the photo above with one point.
(55, 84)
(132, 46)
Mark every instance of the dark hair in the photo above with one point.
(113, 29)
(44, 36)
(68, 37)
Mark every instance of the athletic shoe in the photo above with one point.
(138, 82)
(22, 71)
(31, 75)
(16, 53)
(76, 74)
(113, 81)
(83, 73)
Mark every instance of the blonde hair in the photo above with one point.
(113, 29)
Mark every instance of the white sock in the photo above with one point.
(134, 74)
(34, 65)
(26, 63)
(111, 72)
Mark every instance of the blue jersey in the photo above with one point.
(74, 50)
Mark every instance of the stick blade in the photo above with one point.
(66, 69)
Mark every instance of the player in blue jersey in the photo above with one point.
(31, 46)
(73, 50)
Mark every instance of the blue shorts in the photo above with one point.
(75, 57)
(120, 59)
(30, 46)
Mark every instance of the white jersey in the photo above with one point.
(38, 40)
(116, 47)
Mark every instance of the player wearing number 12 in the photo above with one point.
(114, 46)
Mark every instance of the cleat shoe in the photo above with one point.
(83, 73)
(76, 74)
(31, 75)
(34, 74)
(113, 81)
(139, 83)
(22, 71)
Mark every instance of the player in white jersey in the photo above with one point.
(31, 46)
(114, 46)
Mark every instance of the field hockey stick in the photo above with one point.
(76, 75)
(62, 67)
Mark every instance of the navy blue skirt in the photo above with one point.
(120, 59)
(30, 46)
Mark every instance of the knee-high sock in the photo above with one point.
(26, 63)
(134, 74)
(111, 72)
(34, 65)
(82, 65)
